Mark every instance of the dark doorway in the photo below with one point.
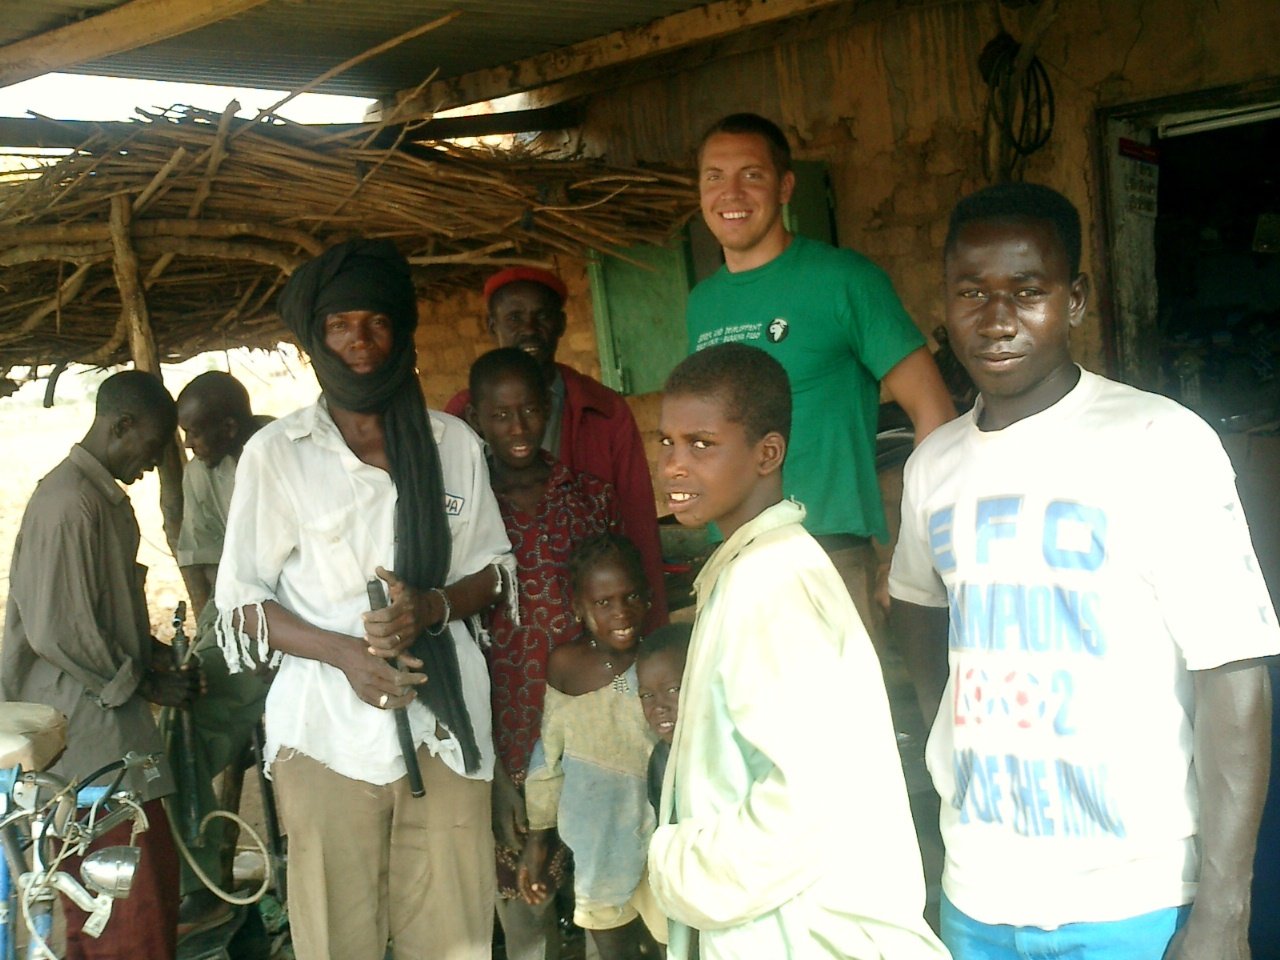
(1217, 245)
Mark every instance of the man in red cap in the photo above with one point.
(590, 428)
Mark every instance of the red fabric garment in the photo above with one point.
(144, 925)
(599, 436)
(574, 508)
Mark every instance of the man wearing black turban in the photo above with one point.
(368, 482)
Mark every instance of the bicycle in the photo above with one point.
(40, 817)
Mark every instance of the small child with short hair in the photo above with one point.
(660, 675)
(587, 774)
(659, 671)
(547, 510)
(784, 828)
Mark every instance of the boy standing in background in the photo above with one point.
(659, 670)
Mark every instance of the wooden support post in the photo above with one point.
(133, 301)
(142, 345)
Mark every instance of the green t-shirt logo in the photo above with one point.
(777, 330)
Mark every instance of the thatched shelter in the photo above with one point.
(182, 225)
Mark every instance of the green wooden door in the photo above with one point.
(811, 212)
(639, 314)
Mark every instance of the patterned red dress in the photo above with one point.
(574, 508)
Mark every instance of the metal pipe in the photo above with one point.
(191, 796)
(378, 600)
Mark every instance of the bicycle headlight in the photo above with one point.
(110, 870)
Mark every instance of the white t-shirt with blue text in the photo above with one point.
(1090, 557)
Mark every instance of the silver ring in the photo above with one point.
(397, 638)
(382, 700)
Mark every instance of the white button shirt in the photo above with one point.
(309, 522)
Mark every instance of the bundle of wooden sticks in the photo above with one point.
(195, 219)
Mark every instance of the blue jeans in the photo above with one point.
(1143, 937)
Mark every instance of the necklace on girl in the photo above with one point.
(619, 679)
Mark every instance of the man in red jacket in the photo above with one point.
(591, 428)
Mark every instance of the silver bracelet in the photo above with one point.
(443, 623)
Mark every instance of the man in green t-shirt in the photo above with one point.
(834, 322)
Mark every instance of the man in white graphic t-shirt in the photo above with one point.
(1083, 611)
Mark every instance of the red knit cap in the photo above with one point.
(533, 274)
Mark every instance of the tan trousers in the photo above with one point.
(370, 863)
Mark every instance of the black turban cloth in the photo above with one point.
(372, 275)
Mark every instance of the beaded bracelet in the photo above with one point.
(442, 624)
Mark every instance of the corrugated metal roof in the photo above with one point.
(283, 44)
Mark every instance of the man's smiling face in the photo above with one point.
(742, 194)
(530, 317)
